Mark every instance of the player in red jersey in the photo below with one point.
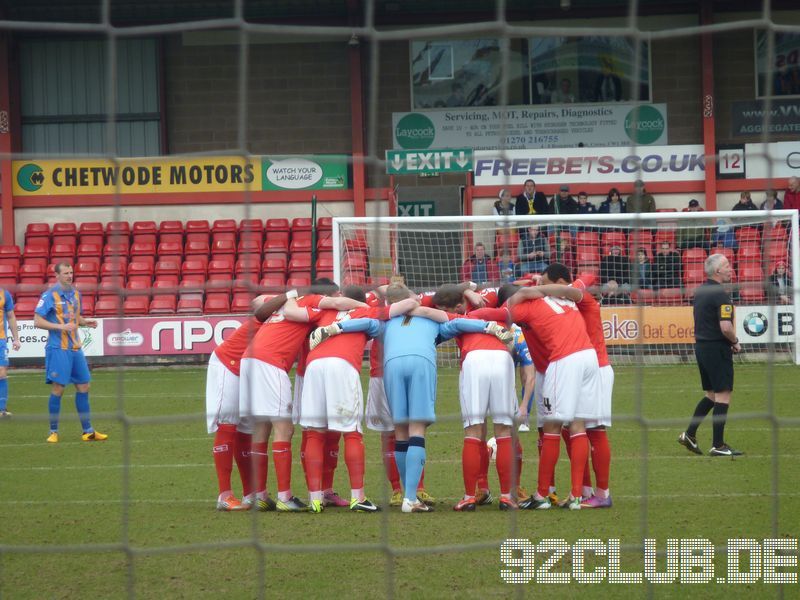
(232, 437)
(600, 496)
(486, 385)
(332, 397)
(570, 392)
(266, 392)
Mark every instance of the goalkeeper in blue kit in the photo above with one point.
(409, 363)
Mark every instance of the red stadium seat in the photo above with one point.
(171, 238)
(614, 238)
(136, 306)
(8, 275)
(25, 306)
(190, 305)
(197, 226)
(10, 255)
(220, 265)
(300, 262)
(229, 236)
(273, 265)
(353, 262)
(86, 284)
(167, 267)
(110, 285)
(144, 227)
(300, 245)
(165, 304)
(217, 303)
(65, 229)
(138, 287)
(751, 294)
(71, 240)
(664, 235)
(250, 247)
(587, 238)
(191, 284)
(63, 252)
(240, 304)
(198, 236)
(247, 264)
(694, 255)
(251, 225)
(175, 227)
(170, 249)
(277, 243)
(750, 271)
(194, 267)
(693, 273)
(325, 244)
(140, 269)
(116, 247)
(87, 305)
(36, 252)
(143, 247)
(295, 282)
(354, 278)
(113, 268)
(302, 234)
(164, 285)
(87, 267)
(277, 225)
(301, 224)
(587, 255)
(690, 290)
(325, 263)
(37, 230)
(98, 240)
(31, 273)
(121, 229)
(749, 252)
(325, 223)
(30, 289)
(748, 234)
(273, 281)
(224, 226)
(91, 228)
(108, 306)
(223, 247)
(640, 239)
(196, 247)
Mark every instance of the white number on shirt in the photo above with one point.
(560, 304)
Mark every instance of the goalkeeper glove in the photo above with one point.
(501, 333)
(320, 334)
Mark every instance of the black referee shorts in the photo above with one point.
(715, 360)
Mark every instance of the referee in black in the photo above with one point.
(715, 345)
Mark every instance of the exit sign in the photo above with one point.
(416, 209)
(417, 162)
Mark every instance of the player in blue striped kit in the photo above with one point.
(8, 320)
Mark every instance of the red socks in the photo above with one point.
(259, 462)
(518, 459)
(601, 456)
(353, 458)
(483, 475)
(315, 444)
(551, 446)
(504, 464)
(471, 464)
(579, 446)
(303, 441)
(330, 458)
(392, 474)
(282, 456)
(241, 453)
(223, 455)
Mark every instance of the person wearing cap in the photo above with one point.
(640, 200)
(694, 206)
(563, 203)
(503, 208)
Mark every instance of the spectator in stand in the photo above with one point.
(780, 285)
(640, 200)
(724, 235)
(613, 295)
(745, 202)
(531, 202)
(615, 267)
(480, 268)
(613, 204)
(506, 266)
(771, 201)
(503, 207)
(694, 206)
(564, 94)
(533, 252)
(667, 268)
(562, 203)
(584, 206)
(641, 271)
(791, 198)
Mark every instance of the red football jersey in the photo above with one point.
(467, 342)
(350, 346)
(230, 351)
(279, 340)
(590, 309)
(302, 359)
(426, 299)
(490, 296)
(375, 354)
(556, 323)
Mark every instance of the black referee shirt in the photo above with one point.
(712, 304)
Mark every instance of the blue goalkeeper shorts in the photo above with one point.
(65, 366)
(410, 383)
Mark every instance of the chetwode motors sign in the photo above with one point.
(179, 175)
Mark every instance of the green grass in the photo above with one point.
(71, 494)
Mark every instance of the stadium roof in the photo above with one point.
(340, 12)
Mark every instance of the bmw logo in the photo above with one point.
(30, 177)
(755, 324)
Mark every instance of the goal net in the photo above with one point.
(645, 268)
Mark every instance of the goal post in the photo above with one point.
(646, 309)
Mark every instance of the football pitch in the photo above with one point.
(137, 512)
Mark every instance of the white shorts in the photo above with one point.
(332, 396)
(606, 392)
(572, 388)
(222, 397)
(379, 417)
(487, 385)
(297, 397)
(538, 398)
(265, 392)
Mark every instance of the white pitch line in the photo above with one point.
(445, 461)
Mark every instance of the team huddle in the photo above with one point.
(552, 331)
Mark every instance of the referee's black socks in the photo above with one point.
(720, 415)
(701, 410)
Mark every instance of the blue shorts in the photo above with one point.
(65, 366)
(3, 353)
(410, 383)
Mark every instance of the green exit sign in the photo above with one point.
(417, 162)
